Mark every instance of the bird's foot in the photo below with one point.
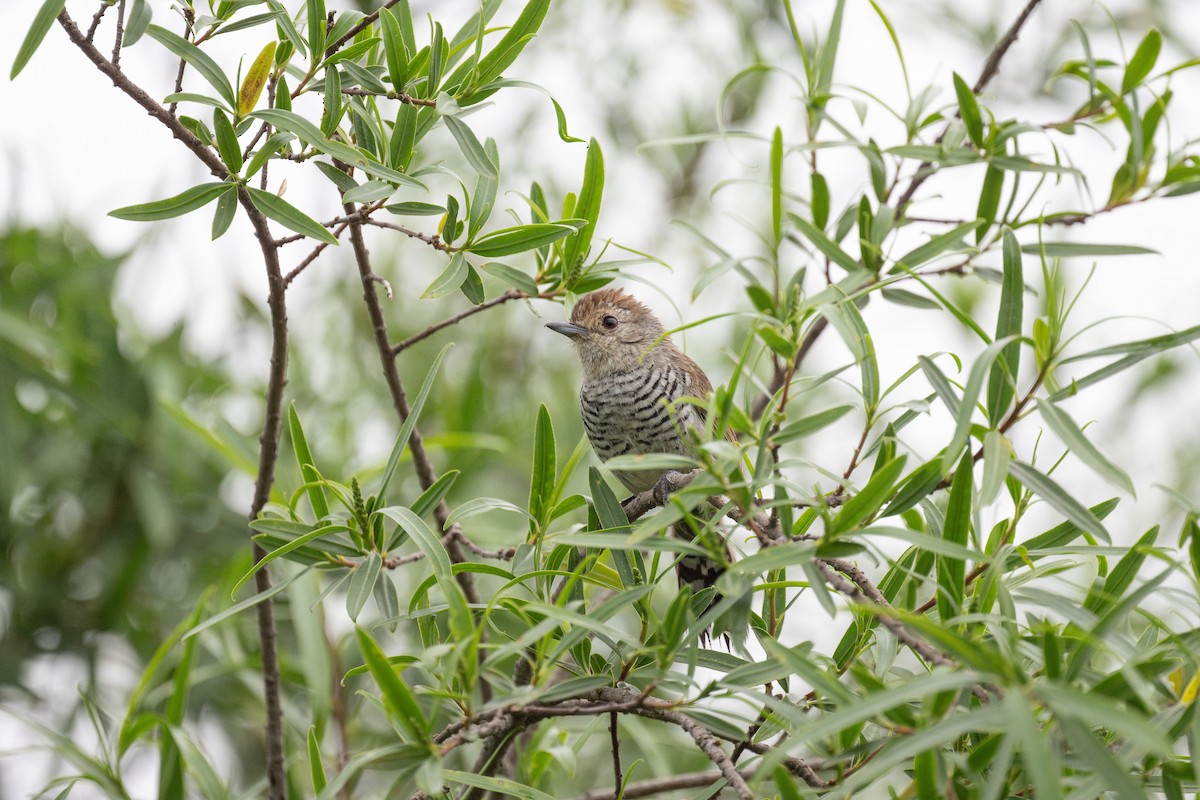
(670, 482)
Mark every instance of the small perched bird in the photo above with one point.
(633, 377)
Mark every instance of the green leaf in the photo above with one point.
(316, 27)
(1073, 437)
(806, 426)
(989, 200)
(822, 242)
(249, 602)
(777, 186)
(461, 626)
(920, 482)
(268, 148)
(493, 785)
(851, 326)
(306, 464)
(416, 208)
(1006, 369)
(512, 276)
(227, 142)
(315, 767)
(255, 80)
(820, 200)
(406, 429)
(1142, 62)
(545, 469)
(1074, 249)
(957, 530)
(1142, 347)
(42, 22)
(180, 204)
(612, 517)
(287, 215)
(1037, 753)
(997, 452)
(198, 60)
(482, 505)
(1058, 499)
(451, 278)
(968, 109)
(140, 15)
(587, 207)
(471, 147)
(938, 245)
(393, 49)
(402, 706)
(437, 491)
(492, 65)
(520, 238)
(223, 216)
(362, 584)
(966, 409)
(869, 499)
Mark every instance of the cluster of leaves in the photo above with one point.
(967, 669)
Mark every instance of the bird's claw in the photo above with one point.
(666, 485)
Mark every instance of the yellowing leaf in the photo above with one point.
(255, 80)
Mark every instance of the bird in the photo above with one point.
(633, 379)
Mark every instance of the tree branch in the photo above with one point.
(511, 294)
(990, 68)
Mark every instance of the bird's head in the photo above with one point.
(613, 332)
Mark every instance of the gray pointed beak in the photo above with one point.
(568, 329)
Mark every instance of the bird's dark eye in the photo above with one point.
(609, 322)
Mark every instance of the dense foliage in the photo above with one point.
(479, 611)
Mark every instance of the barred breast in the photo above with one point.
(630, 413)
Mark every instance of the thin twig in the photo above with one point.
(392, 95)
(188, 19)
(990, 68)
(119, 37)
(363, 24)
(433, 240)
(91, 31)
(511, 294)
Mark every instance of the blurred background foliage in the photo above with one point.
(125, 458)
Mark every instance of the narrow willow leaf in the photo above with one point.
(852, 328)
(42, 22)
(968, 109)
(461, 626)
(822, 242)
(316, 769)
(1058, 499)
(416, 208)
(494, 785)
(869, 499)
(806, 426)
(255, 80)
(512, 276)
(450, 279)
(777, 186)
(1073, 249)
(482, 505)
(996, 454)
(518, 239)
(180, 204)
(920, 482)
(224, 214)
(393, 49)
(951, 239)
(402, 706)
(140, 15)
(1142, 62)
(249, 602)
(362, 584)
(198, 59)
(1037, 754)
(951, 571)
(471, 147)
(512, 43)
(227, 143)
(306, 464)
(437, 491)
(1142, 347)
(316, 27)
(979, 372)
(1073, 437)
(287, 215)
(1004, 373)
(410, 422)
(989, 200)
(820, 200)
(545, 469)
(269, 148)
(612, 517)
(587, 207)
